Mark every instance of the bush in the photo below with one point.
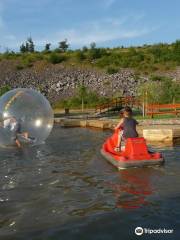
(103, 62)
(91, 99)
(159, 78)
(80, 55)
(4, 89)
(19, 67)
(39, 56)
(27, 63)
(55, 58)
(147, 59)
(96, 53)
(112, 70)
(165, 91)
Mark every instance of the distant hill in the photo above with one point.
(146, 59)
(107, 72)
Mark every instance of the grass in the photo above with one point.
(144, 59)
(157, 117)
(137, 115)
(77, 111)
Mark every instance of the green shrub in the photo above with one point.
(39, 56)
(96, 53)
(55, 58)
(158, 78)
(4, 89)
(147, 59)
(19, 67)
(27, 62)
(91, 99)
(80, 55)
(112, 70)
(165, 91)
(103, 62)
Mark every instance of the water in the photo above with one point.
(66, 190)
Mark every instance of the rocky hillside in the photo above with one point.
(59, 81)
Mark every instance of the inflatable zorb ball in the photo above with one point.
(26, 115)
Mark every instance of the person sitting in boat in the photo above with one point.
(127, 127)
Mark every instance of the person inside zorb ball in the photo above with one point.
(26, 117)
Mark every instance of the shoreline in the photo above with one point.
(154, 131)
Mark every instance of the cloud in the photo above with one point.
(103, 31)
(104, 35)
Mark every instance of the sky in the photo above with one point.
(109, 23)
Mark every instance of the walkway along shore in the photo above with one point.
(154, 131)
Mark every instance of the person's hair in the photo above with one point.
(128, 111)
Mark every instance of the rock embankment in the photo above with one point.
(59, 81)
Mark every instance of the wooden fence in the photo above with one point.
(162, 109)
(148, 109)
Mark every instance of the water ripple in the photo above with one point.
(67, 181)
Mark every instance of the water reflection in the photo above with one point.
(134, 187)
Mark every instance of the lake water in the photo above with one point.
(65, 189)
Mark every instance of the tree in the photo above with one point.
(95, 53)
(166, 91)
(93, 45)
(85, 49)
(27, 47)
(63, 45)
(171, 91)
(176, 50)
(176, 92)
(23, 48)
(47, 47)
(82, 92)
(31, 45)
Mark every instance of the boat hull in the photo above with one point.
(134, 154)
(120, 164)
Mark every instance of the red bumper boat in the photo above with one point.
(135, 153)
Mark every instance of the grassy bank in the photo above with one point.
(146, 59)
(151, 60)
(75, 112)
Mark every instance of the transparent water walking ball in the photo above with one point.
(26, 115)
